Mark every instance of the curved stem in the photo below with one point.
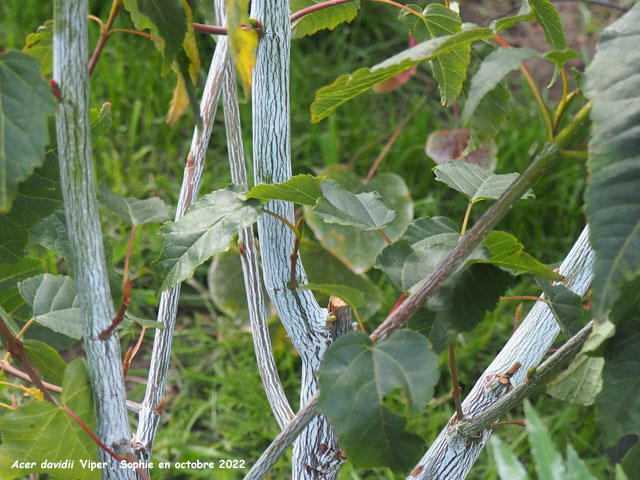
(399, 5)
(104, 35)
(563, 101)
(465, 221)
(135, 32)
(210, 29)
(318, 6)
(283, 220)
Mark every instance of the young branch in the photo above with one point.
(471, 426)
(451, 456)
(249, 253)
(71, 74)
(167, 310)
(457, 390)
(104, 35)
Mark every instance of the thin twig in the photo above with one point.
(457, 390)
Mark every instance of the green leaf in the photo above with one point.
(547, 16)
(475, 182)
(580, 382)
(525, 14)
(26, 102)
(560, 57)
(613, 189)
(54, 302)
(618, 402)
(323, 267)
(166, 19)
(425, 243)
(10, 275)
(601, 332)
(509, 467)
(133, 210)
(51, 233)
(46, 359)
(492, 111)
(326, 18)
(143, 322)
(351, 296)
(303, 189)
(225, 282)
(477, 290)
(33, 432)
(491, 72)
(356, 248)
(348, 86)
(548, 461)
(508, 252)
(206, 229)
(450, 68)
(627, 306)
(566, 306)
(40, 46)
(365, 211)
(354, 378)
(631, 461)
(100, 121)
(576, 469)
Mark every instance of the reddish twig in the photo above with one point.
(126, 291)
(454, 380)
(93, 436)
(384, 235)
(522, 423)
(398, 302)
(210, 29)
(384, 151)
(104, 35)
(11, 370)
(319, 6)
(15, 348)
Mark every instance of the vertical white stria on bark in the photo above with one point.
(315, 452)
(151, 407)
(70, 72)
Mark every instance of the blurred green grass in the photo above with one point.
(215, 405)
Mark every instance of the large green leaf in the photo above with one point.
(303, 189)
(613, 190)
(348, 86)
(354, 378)
(547, 16)
(46, 359)
(619, 402)
(26, 102)
(166, 19)
(132, 210)
(40, 46)
(206, 229)
(450, 68)
(475, 182)
(580, 382)
(365, 211)
(325, 18)
(358, 249)
(507, 252)
(34, 432)
(54, 302)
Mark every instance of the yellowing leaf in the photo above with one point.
(34, 392)
(179, 102)
(243, 41)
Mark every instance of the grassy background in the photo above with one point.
(215, 405)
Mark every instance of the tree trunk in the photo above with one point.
(315, 451)
(70, 72)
